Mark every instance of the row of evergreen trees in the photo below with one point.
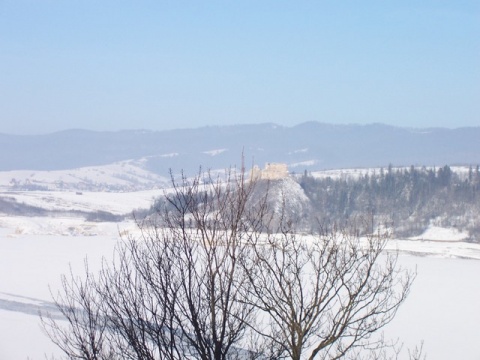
(409, 199)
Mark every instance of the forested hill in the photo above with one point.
(410, 199)
(312, 146)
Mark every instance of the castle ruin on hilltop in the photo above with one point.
(272, 171)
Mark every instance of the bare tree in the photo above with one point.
(174, 292)
(323, 296)
(84, 333)
(190, 262)
(217, 275)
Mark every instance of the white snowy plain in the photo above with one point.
(442, 309)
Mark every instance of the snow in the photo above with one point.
(436, 233)
(60, 226)
(288, 193)
(298, 151)
(355, 173)
(214, 152)
(444, 249)
(169, 155)
(22, 337)
(128, 174)
(303, 163)
(442, 308)
(119, 203)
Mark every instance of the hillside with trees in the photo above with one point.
(406, 199)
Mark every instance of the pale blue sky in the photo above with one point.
(110, 65)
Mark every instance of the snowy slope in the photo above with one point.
(120, 176)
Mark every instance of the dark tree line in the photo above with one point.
(410, 199)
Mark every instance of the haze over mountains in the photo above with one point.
(309, 146)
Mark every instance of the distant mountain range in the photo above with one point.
(309, 146)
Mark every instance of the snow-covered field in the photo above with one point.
(442, 309)
(29, 265)
(119, 203)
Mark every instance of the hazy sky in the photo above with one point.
(110, 65)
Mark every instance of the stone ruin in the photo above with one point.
(272, 171)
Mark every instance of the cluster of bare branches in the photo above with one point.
(216, 275)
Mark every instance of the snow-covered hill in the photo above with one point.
(127, 175)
